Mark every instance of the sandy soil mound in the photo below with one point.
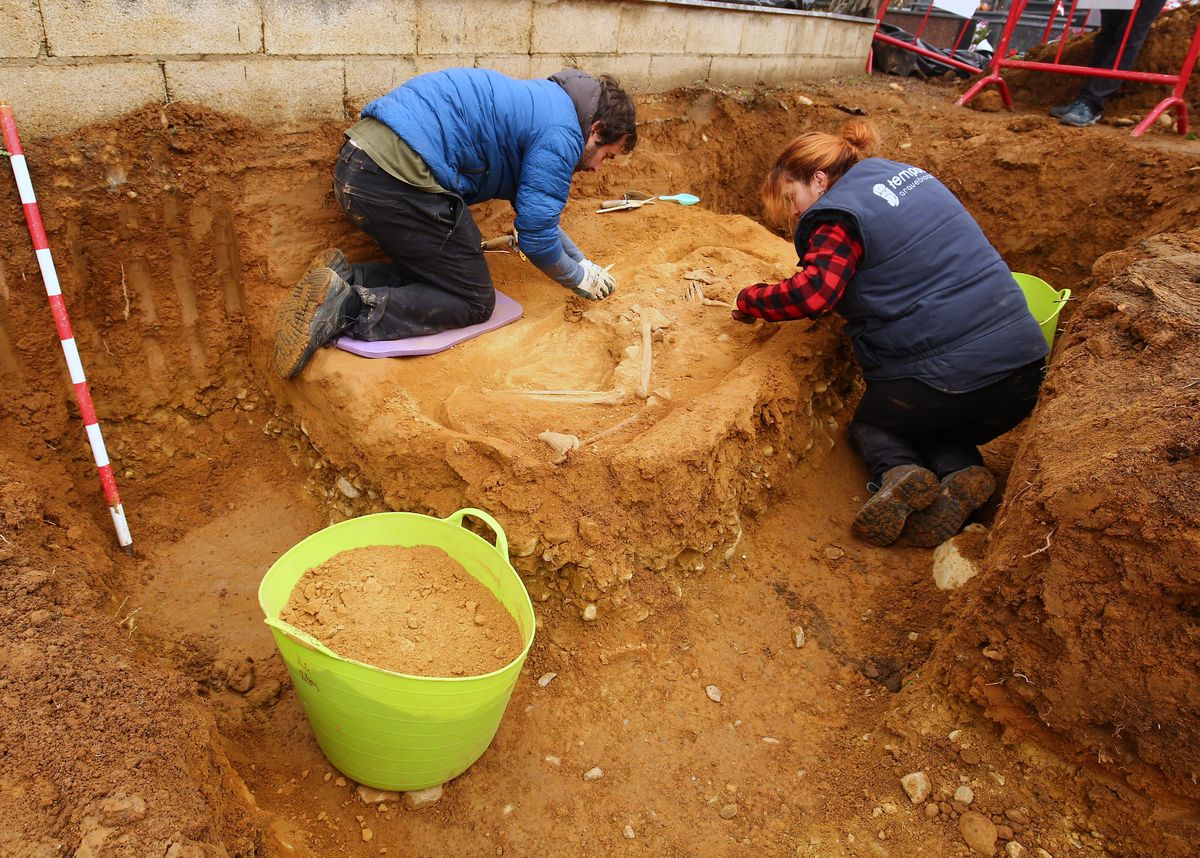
(105, 748)
(659, 472)
(409, 610)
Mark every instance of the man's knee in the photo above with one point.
(482, 311)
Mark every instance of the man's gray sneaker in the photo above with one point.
(310, 317)
(1079, 116)
(1060, 109)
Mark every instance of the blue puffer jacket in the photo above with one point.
(486, 136)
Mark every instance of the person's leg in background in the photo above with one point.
(438, 278)
(1089, 105)
(1112, 27)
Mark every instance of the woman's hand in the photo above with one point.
(738, 315)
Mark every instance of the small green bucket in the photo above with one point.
(390, 730)
(1045, 302)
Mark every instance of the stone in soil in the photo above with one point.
(916, 785)
(952, 568)
(978, 832)
(121, 809)
(369, 795)
(1015, 814)
(417, 799)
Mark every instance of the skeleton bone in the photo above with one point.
(577, 397)
(611, 430)
(560, 443)
(647, 358)
(695, 294)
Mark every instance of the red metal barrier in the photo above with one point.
(916, 49)
(1005, 59)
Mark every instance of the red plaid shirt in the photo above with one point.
(833, 255)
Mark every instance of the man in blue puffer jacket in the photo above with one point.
(410, 167)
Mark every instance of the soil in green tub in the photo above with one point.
(410, 610)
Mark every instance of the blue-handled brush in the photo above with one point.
(683, 199)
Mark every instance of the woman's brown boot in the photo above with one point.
(961, 494)
(905, 489)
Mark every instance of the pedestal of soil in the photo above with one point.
(730, 408)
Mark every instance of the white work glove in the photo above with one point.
(597, 283)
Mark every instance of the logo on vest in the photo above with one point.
(885, 193)
(901, 184)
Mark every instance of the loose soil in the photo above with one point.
(408, 610)
(144, 710)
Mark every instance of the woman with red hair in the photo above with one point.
(949, 351)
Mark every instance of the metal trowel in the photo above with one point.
(623, 205)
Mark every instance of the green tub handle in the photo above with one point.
(301, 637)
(501, 539)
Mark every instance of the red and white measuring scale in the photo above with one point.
(62, 323)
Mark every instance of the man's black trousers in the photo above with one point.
(437, 278)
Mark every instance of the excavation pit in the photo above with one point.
(698, 536)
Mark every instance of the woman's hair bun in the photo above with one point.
(861, 135)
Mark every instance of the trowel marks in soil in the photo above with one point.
(408, 610)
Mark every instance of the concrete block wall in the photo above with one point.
(67, 63)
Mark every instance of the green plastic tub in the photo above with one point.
(1045, 302)
(390, 730)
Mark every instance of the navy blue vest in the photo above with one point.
(932, 299)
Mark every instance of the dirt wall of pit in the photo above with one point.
(1083, 631)
(88, 710)
(64, 64)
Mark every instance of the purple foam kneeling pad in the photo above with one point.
(507, 311)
